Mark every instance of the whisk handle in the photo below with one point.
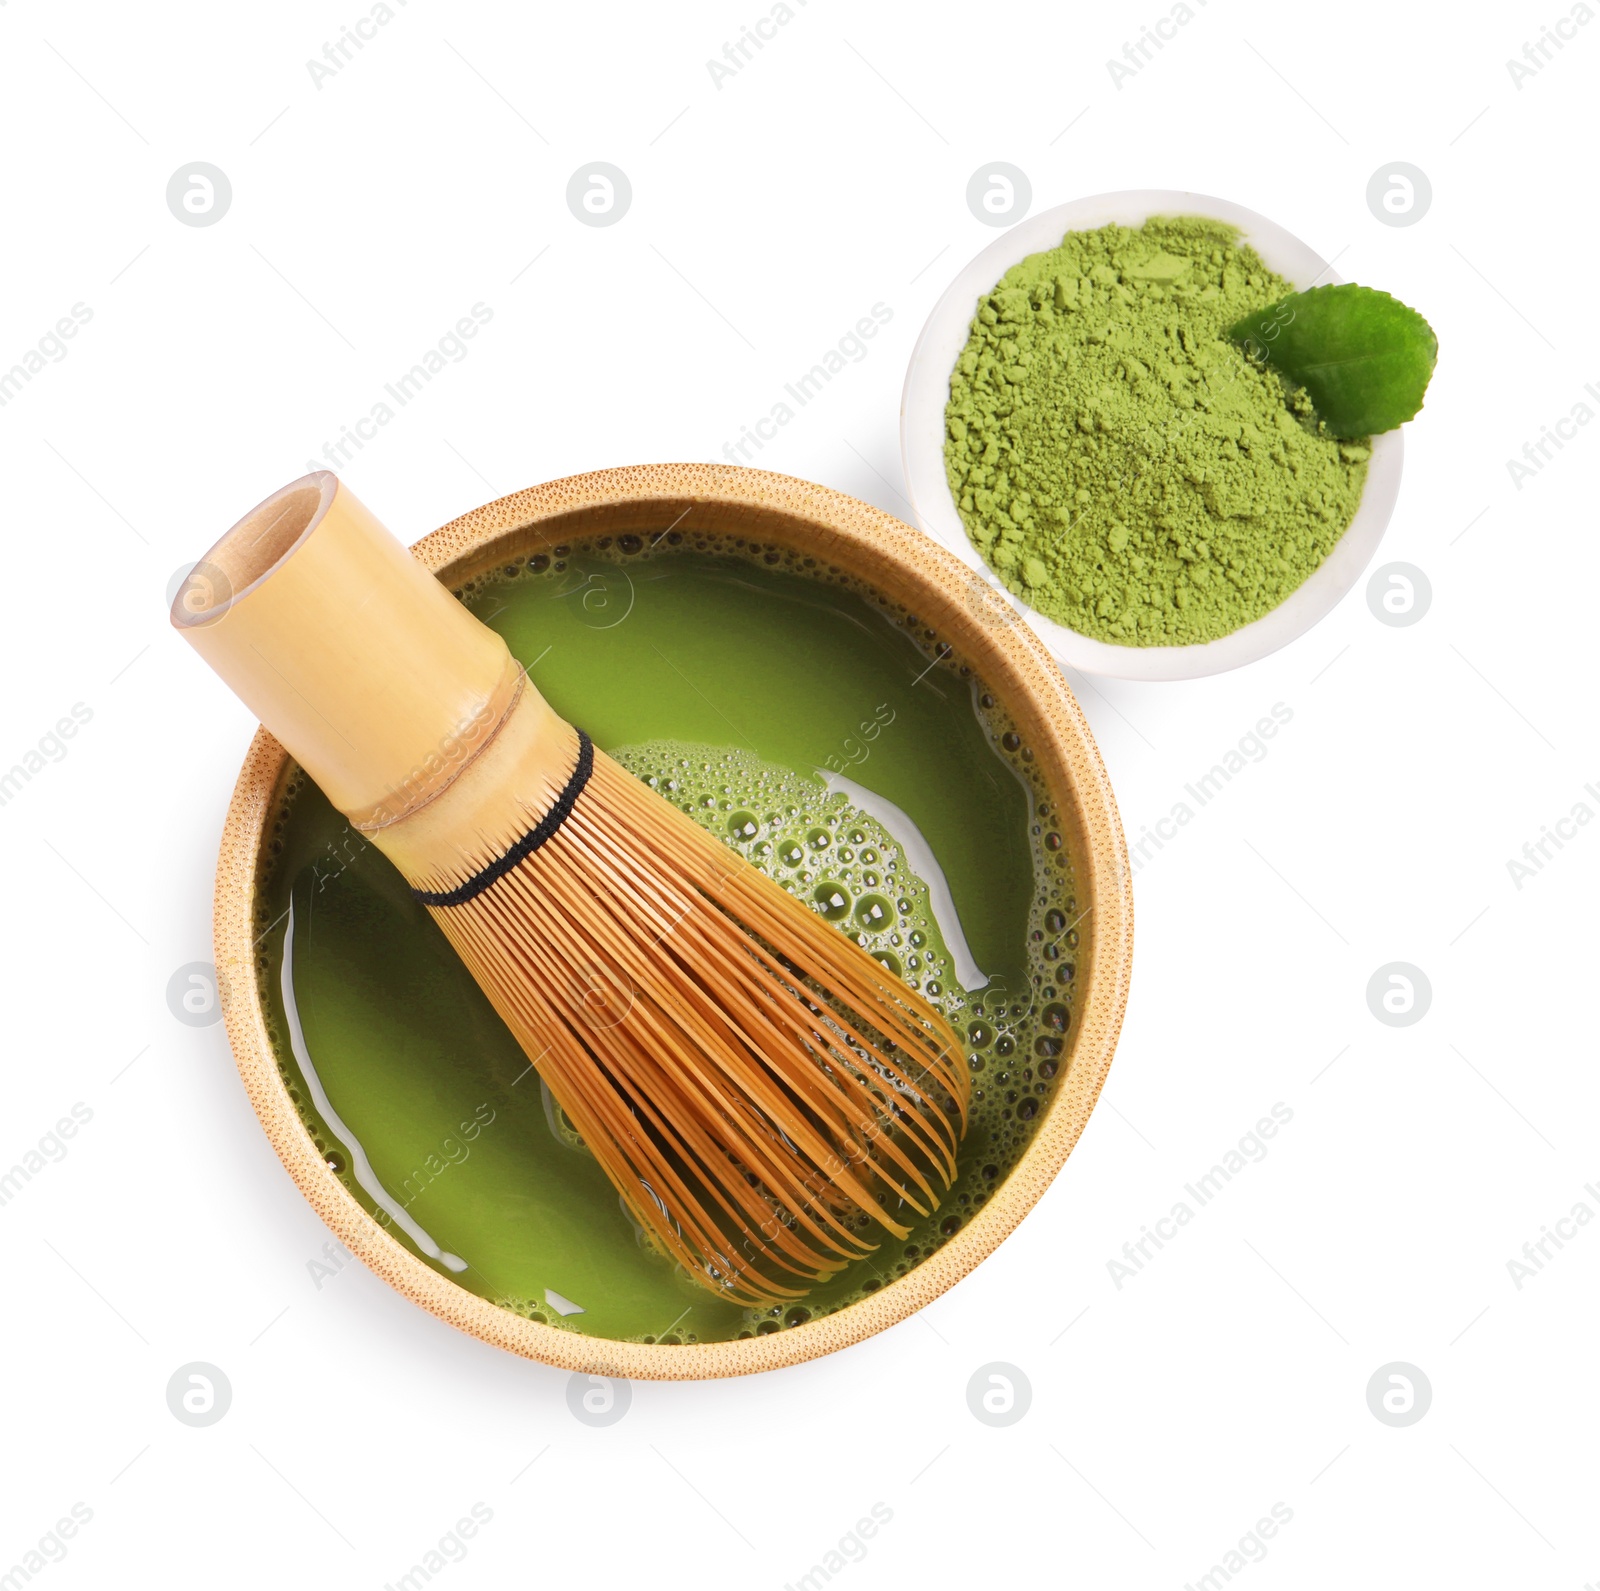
(375, 679)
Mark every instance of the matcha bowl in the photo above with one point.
(742, 615)
(923, 433)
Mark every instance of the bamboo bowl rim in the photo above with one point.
(910, 569)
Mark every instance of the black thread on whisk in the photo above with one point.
(528, 844)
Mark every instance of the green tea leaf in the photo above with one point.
(1364, 358)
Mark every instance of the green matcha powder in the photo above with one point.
(1123, 467)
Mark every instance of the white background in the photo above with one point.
(769, 214)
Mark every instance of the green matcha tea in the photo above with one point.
(808, 724)
(1123, 466)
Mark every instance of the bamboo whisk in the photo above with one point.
(766, 1098)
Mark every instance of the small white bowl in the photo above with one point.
(922, 434)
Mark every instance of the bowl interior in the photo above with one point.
(906, 569)
(922, 438)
